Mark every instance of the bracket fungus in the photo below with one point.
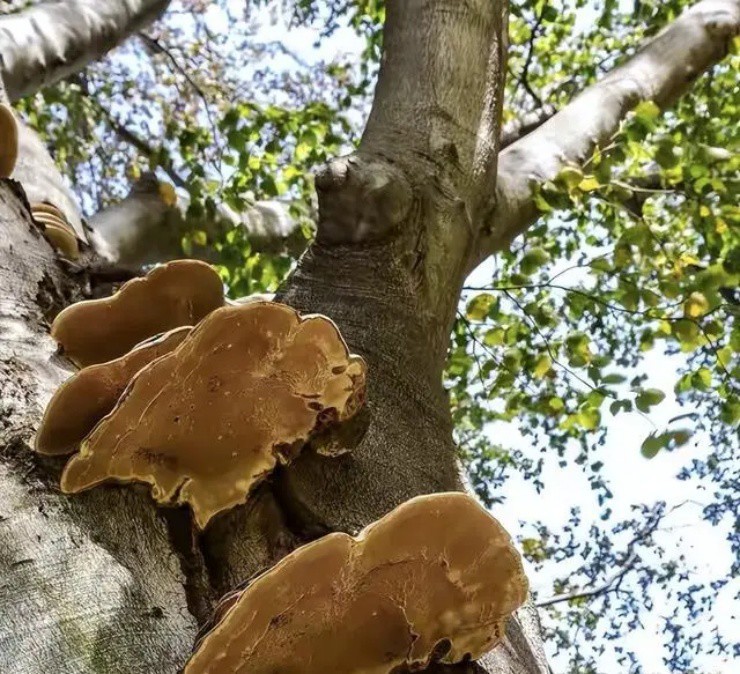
(8, 141)
(203, 424)
(57, 229)
(88, 395)
(433, 581)
(178, 293)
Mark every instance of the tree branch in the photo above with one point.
(609, 585)
(615, 581)
(661, 71)
(142, 229)
(139, 230)
(518, 128)
(50, 41)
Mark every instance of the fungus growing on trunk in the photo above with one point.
(87, 396)
(179, 293)
(203, 424)
(8, 141)
(57, 229)
(433, 581)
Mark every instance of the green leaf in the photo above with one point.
(652, 445)
(589, 184)
(479, 306)
(570, 177)
(494, 337)
(647, 398)
(542, 366)
(589, 418)
(614, 379)
(533, 260)
(647, 110)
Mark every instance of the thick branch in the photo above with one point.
(661, 71)
(53, 40)
(516, 129)
(143, 229)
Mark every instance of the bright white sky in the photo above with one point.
(632, 478)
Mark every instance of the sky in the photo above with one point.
(631, 477)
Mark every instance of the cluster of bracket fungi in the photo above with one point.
(201, 399)
(51, 219)
(195, 397)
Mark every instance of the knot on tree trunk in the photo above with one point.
(360, 199)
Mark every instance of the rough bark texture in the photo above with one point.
(88, 584)
(53, 40)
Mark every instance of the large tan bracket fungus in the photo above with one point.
(179, 293)
(8, 141)
(435, 580)
(87, 396)
(205, 423)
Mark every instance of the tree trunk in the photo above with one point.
(104, 582)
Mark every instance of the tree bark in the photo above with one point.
(53, 40)
(89, 584)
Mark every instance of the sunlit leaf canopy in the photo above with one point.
(637, 252)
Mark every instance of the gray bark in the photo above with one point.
(55, 39)
(41, 179)
(89, 584)
(142, 229)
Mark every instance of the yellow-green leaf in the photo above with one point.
(589, 184)
(647, 110)
(542, 366)
(696, 305)
(479, 306)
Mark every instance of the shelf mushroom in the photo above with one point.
(176, 294)
(433, 581)
(88, 395)
(8, 141)
(202, 425)
(57, 229)
(47, 193)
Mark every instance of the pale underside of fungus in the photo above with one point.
(435, 580)
(173, 295)
(88, 395)
(203, 424)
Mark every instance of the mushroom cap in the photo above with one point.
(178, 293)
(8, 140)
(434, 580)
(205, 423)
(41, 180)
(88, 395)
(56, 229)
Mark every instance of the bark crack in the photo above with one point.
(186, 544)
